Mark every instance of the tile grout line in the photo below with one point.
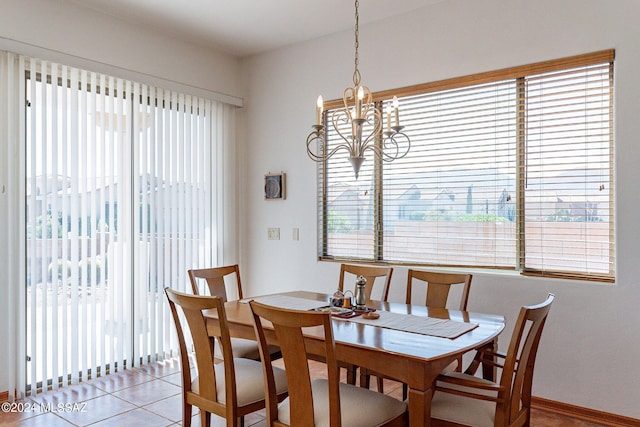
(162, 373)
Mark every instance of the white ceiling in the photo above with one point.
(245, 27)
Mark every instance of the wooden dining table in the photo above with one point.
(412, 358)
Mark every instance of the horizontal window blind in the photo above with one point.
(347, 215)
(568, 159)
(508, 169)
(451, 201)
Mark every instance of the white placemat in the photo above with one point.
(432, 326)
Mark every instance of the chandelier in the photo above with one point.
(359, 109)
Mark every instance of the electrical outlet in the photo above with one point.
(273, 233)
(295, 235)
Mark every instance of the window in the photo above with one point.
(510, 169)
(120, 202)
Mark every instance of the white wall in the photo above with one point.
(590, 350)
(61, 31)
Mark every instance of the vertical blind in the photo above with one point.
(120, 203)
(12, 214)
(509, 169)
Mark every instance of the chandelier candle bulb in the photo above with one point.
(388, 117)
(359, 102)
(395, 108)
(319, 109)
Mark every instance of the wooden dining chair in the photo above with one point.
(231, 389)
(319, 402)
(374, 275)
(369, 272)
(437, 286)
(462, 399)
(436, 294)
(218, 280)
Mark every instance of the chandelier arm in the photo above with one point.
(390, 146)
(348, 144)
(368, 141)
(376, 150)
(318, 137)
(408, 141)
(349, 93)
(344, 145)
(392, 141)
(377, 126)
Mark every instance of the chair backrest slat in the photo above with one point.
(438, 286)
(215, 279)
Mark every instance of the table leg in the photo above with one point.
(420, 407)
(489, 372)
(421, 381)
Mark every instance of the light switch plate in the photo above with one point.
(273, 233)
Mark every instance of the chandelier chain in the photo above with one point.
(356, 72)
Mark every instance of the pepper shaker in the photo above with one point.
(361, 299)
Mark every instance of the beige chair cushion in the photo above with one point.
(463, 410)
(249, 381)
(242, 348)
(360, 407)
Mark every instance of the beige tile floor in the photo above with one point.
(150, 396)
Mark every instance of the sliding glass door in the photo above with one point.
(120, 202)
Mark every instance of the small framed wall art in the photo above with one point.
(274, 186)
